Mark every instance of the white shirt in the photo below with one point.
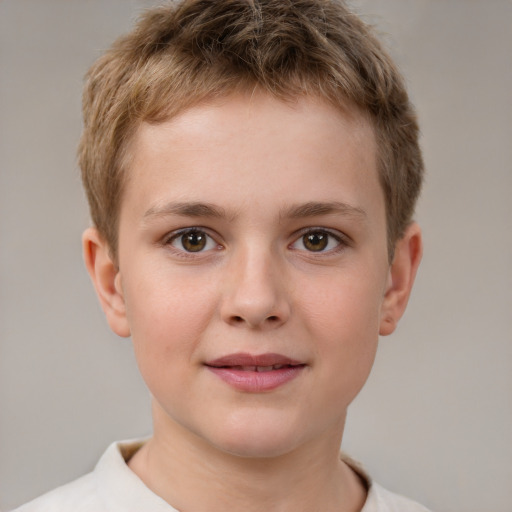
(114, 487)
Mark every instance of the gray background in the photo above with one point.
(435, 420)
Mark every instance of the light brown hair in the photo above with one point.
(185, 52)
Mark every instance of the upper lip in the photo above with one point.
(243, 359)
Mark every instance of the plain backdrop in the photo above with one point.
(435, 419)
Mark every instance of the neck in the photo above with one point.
(191, 475)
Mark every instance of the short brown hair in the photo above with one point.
(182, 53)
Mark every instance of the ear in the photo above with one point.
(408, 252)
(106, 279)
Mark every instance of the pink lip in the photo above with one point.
(240, 372)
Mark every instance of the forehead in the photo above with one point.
(247, 142)
(254, 112)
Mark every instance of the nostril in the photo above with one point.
(236, 319)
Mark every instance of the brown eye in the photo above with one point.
(316, 241)
(194, 241)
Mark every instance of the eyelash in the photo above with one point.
(341, 240)
(180, 234)
(210, 243)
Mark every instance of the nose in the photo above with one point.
(255, 292)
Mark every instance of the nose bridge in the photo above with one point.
(255, 294)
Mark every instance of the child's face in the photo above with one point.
(254, 228)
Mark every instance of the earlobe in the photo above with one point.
(408, 252)
(106, 279)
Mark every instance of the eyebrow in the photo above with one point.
(185, 209)
(208, 210)
(315, 209)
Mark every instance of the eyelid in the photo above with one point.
(342, 239)
(169, 238)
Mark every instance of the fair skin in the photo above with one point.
(254, 280)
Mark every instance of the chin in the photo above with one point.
(251, 448)
(256, 439)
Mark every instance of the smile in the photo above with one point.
(255, 373)
(259, 368)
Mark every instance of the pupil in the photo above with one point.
(194, 242)
(316, 241)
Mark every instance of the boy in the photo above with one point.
(252, 169)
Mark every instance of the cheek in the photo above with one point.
(167, 316)
(344, 324)
(344, 308)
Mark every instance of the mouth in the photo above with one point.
(257, 368)
(256, 373)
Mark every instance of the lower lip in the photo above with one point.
(255, 382)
